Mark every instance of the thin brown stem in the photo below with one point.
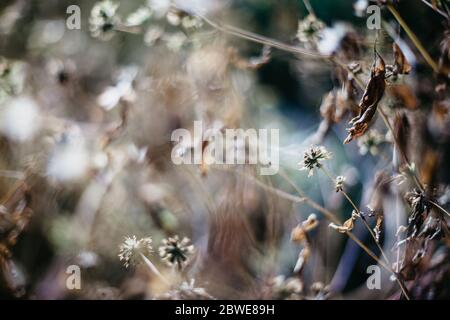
(260, 39)
(442, 13)
(439, 207)
(413, 38)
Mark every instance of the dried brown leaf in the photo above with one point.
(347, 226)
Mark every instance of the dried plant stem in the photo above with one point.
(260, 39)
(396, 142)
(413, 38)
(153, 269)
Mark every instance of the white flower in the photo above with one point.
(175, 251)
(20, 119)
(69, 161)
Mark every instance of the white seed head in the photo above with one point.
(131, 249)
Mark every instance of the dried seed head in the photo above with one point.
(309, 29)
(131, 249)
(339, 183)
(313, 157)
(175, 251)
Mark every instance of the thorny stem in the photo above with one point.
(413, 38)
(153, 269)
(370, 231)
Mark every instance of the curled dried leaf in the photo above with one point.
(369, 101)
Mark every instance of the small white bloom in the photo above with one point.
(69, 161)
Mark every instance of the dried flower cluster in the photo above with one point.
(313, 158)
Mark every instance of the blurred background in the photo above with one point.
(86, 117)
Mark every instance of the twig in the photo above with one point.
(260, 39)
(152, 268)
